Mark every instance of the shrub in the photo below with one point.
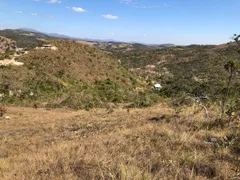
(146, 99)
(110, 91)
(236, 144)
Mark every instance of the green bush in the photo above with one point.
(236, 144)
(109, 91)
(146, 99)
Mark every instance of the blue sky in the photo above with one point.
(148, 21)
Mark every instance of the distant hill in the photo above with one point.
(114, 47)
(29, 38)
(29, 30)
(162, 45)
(60, 36)
(25, 39)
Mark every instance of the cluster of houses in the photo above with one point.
(48, 46)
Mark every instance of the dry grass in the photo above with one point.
(152, 143)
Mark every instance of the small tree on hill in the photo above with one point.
(236, 39)
(233, 68)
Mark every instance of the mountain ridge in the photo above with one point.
(93, 40)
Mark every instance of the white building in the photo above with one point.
(158, 86)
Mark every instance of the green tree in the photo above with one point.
(233, 68)
(236, 39)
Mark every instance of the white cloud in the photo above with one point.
(129, 2)
(54, 1)
(146, 7)
(141, 5)
(126, 1)
(33, 14)
(78, 9)
(109, 16)
(19, 12)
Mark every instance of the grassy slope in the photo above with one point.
(66, 144)
(75, 69)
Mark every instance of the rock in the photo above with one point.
(7, 118)
(213, 140)
(11, 94)
(10, 62)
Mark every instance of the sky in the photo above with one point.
(180, 22)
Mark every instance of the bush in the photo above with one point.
(109, 91)
(146, 99)
(182, 99)
(236, 144)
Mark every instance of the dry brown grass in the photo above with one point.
(152, 143)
